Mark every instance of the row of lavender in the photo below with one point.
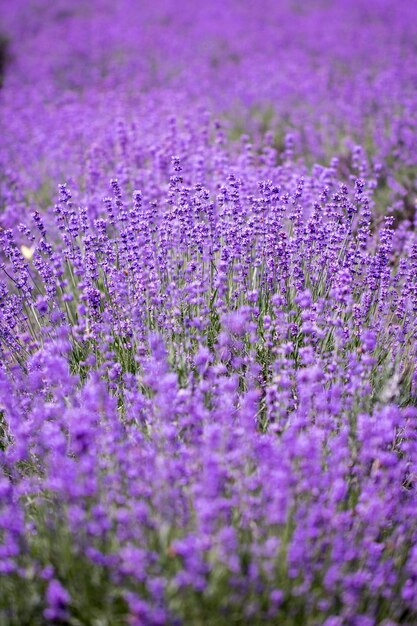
(208, 359)
(332, 73)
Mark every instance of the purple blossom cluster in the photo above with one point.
(208, 357)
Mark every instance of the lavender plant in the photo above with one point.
(207, 334)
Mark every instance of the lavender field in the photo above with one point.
(208, 313)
